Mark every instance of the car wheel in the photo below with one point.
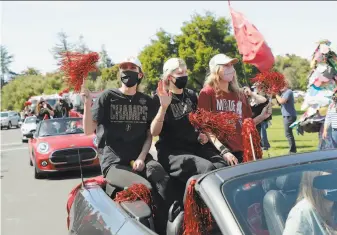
(37, 175)
(9, 125)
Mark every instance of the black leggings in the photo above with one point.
(184, 163)
(160, 182)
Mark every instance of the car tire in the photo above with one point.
(9, 125)
(37, 175)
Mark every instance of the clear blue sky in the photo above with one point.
(28, 29)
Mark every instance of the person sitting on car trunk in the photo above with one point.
(62, 108)
(122, 118)
(43, 110)
(182, 150)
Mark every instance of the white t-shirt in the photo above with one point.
(304, 220)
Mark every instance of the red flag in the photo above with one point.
(251, 43)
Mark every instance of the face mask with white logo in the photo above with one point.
(229, 73)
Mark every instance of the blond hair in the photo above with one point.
(213, 80)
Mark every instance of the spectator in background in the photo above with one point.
(62, 108)
(331, 121)
(44, 109)
(287, 102)
(258, 101)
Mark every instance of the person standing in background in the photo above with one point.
(287, 102)
(331, 121)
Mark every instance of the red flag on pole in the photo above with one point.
(251, 43)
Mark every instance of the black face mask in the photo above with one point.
(130, 78)
(181, 82)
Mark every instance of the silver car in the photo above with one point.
(28, 125)
(10, 119)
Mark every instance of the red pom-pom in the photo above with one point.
(77, 66)
(222, 124)
(197, 216)
(66, 90)
(270, 82)
(249, 129)
(45, 117)
(135, 192)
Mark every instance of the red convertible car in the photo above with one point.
(59, 145)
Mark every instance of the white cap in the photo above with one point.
(172, 64)
(132, 60)
(220, 59)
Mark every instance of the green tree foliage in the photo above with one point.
(109, 74)
(62, 46)
(5, 61)
(31, 71)
(296, 69)
(19, 90)
(105, 60)
(81, 46)
(153, 57)
(200, 39)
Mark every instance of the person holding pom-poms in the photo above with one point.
(221, 93)
(122, 116)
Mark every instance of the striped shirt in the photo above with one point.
(331, 116)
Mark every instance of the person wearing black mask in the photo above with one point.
(182, 150)
(43, 111)
(122, 118)
(62, 108)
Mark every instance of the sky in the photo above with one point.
(29, 29)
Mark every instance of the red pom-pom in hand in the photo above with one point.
(249, 129)
(77, 66)
(222, 125)
(270, 82)
(27, 103)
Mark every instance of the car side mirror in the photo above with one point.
(30, 135)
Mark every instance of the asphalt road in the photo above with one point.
(30, 206)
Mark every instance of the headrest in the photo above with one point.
(289, 182)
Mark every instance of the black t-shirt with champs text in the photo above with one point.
(177, 132)
(123, 123)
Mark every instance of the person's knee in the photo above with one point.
(155, 172)
(204, 167)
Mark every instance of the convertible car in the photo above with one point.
(252, 198)
(59, 145)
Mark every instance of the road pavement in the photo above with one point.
(30, 206)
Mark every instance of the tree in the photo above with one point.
(81, 47)
(62, 46)
(5, 59)
(153, 57)
(295, 69)
(30, 71)
(105, 61)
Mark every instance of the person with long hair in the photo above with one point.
(313, 214)
(221, 93)
(43, 109)
(182, 150)
(122, 117)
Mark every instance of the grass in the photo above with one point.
(279, 143)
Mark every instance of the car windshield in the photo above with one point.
(51, 102)
(61, 126)
(291, 200)
(4, 114)
(30, 120)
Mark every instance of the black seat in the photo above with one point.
(278, 203)
(176, 213)
(123, 177)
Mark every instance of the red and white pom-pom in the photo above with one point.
(250, 136)
(77, 66)
(222, 124)
(197, 216)
(270, 82)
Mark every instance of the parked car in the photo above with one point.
(61, 145)
(28, 126)
(251, 198)
(10, 119)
